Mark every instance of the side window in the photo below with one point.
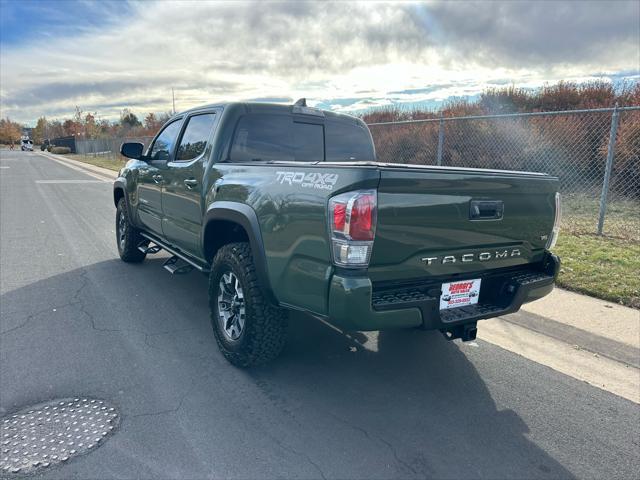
(195, 136)
(262, 137)
(164, 143)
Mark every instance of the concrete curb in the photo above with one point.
(91, 169)
(577, 337)
(598, 317)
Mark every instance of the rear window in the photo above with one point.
(264, 137)
(308, 141)
(348, 142)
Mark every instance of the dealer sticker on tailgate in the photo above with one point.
(460, 294)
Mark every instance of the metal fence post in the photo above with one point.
(615, 118)
(440, 139)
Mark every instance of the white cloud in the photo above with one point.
(327, 51)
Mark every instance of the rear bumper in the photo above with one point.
(355, 304)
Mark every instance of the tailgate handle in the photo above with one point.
(486, 210)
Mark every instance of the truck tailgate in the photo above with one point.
(435, 221)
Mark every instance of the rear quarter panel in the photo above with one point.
(292, 213)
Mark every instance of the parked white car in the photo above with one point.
(26, 145)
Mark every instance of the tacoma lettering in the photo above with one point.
(471, 257)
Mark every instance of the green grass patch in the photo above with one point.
(99, 161)
(580, 216)
(602, 267)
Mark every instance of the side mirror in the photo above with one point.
(132, 150)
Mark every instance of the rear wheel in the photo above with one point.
(249, 330)
(127, 236)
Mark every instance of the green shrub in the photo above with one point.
(49, 147)
(60, 150)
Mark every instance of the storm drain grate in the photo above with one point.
(49, 433)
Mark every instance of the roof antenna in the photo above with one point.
(301, 103)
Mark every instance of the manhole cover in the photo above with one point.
(43, 435)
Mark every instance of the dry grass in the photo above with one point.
(580, 217)
(99, 161)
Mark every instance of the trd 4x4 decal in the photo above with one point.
(322, 181)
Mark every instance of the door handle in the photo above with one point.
(486, 210)
(157, 178)
(190, 183)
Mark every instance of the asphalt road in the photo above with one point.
(76, 321)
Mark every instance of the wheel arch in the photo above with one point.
(227, 222)
(119, 191)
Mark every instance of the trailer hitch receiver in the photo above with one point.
(465, 332)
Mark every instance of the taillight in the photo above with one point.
(362, 218)
(353, 226)
(555, 231)
(339, 214)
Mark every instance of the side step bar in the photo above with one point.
(171, 265)
(146, 249)
(174, 267)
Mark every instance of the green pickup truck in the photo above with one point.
(284, 207)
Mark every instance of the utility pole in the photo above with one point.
(173, 96)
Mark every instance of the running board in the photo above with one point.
(172, 267)
(147, 250)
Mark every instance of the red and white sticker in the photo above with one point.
(460, 294)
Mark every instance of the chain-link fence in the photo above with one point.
(594, 153)
(107, 147)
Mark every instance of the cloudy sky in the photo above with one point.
(345, 56)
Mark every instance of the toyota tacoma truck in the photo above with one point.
(284, 207)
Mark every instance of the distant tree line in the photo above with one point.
(86, 125)
(512, 99)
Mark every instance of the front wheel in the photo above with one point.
(249, 330)
(127, 236)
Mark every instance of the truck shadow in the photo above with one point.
(395, 404)
(413, 390)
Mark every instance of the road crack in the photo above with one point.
(378, 438)
(76, 300)
(196, 381)
(289, 448)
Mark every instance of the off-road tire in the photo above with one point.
(128, 249)
(265, 329)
